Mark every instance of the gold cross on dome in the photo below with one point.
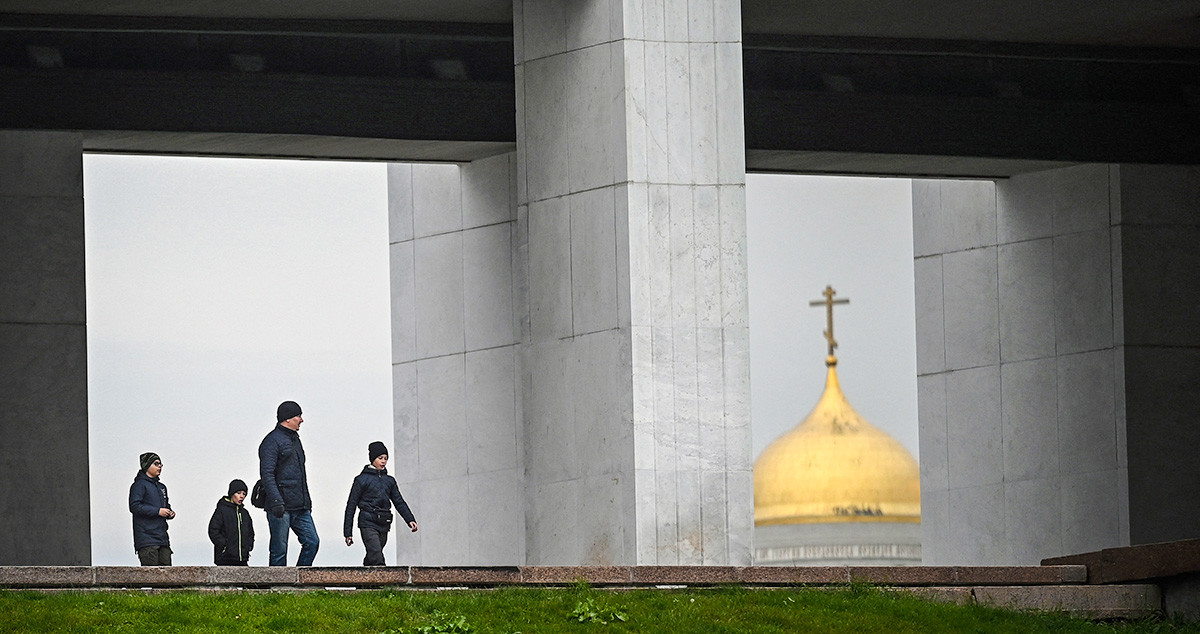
(829, 301)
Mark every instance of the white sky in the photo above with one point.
(219, 287)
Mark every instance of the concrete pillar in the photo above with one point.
(457, 452)
(45, 515)
(1055, 361)
(631, 195)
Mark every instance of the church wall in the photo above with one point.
(456, 380)
(43, 351)
(1018, 390)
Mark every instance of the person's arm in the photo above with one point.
(137, 501)
(246, 521)
(351, 507)
(214, 528)
(402, 506)
(268, 457)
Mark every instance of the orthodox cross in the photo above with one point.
(829, 301)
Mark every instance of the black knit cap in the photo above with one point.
(237, 485)
(287, 409)
(147, 459)
(374, 450)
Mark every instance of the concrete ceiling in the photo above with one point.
(1144, 23)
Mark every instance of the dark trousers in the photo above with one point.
(374, 539)
(155, 556)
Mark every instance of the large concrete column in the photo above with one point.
(457, 451)
(1056, 358)
(631, 201)
(45, 515)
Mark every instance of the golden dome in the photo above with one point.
(836, 467)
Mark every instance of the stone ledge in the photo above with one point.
(1136, 563)
(355, 577)
(258, 576)
(46, 576)
(1128, 601)
(566, 575)
(152, 576)
(465, 575)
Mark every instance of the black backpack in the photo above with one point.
(258, 496)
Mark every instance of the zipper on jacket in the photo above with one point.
(239, 516)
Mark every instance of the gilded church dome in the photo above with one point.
(836, 467)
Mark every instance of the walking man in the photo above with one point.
(288, 504)
(151, 509)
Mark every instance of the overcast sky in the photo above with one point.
(219, 287)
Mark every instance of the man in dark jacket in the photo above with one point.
(151, 509)
(373, 494)
(230, 529)
(288, 504)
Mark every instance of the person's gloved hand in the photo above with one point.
(277, 510)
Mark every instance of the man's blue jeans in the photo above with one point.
(301, 523)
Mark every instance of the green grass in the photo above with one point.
(574, 610)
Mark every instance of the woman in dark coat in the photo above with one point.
(230, 529)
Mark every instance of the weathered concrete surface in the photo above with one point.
(1136, 563)
(1125, 601)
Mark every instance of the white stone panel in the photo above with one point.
(1030, 415)
(603, 533)
(437, 199)
(735, 298)
(441, 417)
(487, 193)
(731, 129)
(928, 229)
(643, 397)
(683, 256)
(969, 283)
(935, 528)
(675, 20)
(603, 435)
(973, 438)
(700, 21)
(969, 214)
(631, 120)
(1089, 512)
(661, 259)
(645, 490)
(1081, 199)
(727, 21)
(496, 511)
(710, 379)
(445, 521)
(931, 330)
(706, 222)
(736, 362)
(1086, 412)
(491, 410)
(545, 27)
(739, 485)
(679, 111)
(657, 165)
(703, 106)
(487, 287)
(1025, 207)
(404, 304)
(438, 289)
(666, 500)
(549, 252)
(691, 534)
(550, 446)
(552, 534)
(665, 455)
(593, 261)
(713, 518)
(1033, 523)
(407, 547)
(639, 270)
(687, 414)
(977, 537)
(592, 94)
(1026, 300)
(405, 426)
(592, 23)
(546, 133)
(654, 20)
(400, 202)
(1082, 292)
(932, 431)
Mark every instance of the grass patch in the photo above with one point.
(531, 610)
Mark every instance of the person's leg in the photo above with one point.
(148, 556)
(370, 539)
(164, 555)
(383, 535)
(279, 539)
(306, 532)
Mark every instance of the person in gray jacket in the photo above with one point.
(288, 503)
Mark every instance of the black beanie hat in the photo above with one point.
(237, 485)
(374, 450)
(147, 459)
(287, 409)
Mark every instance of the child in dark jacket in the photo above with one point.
(373, 494)
(230, 529)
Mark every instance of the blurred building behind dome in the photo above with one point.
(835, 490)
